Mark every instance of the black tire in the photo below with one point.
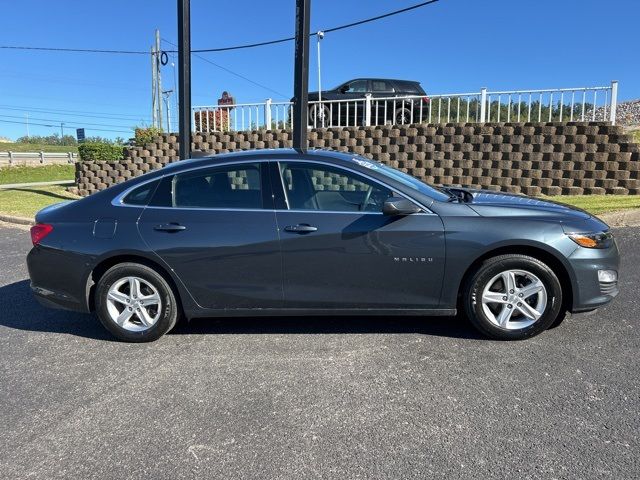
(168, 311)
(472, 295)
(324, 110)
(403, 116)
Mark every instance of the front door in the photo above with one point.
(340, 251)
(215, 227)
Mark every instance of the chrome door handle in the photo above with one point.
(170, 227)
(300, 228)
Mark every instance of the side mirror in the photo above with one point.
(399, 206)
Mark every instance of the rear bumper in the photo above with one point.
(59, 278)
(58, 300)
(589, 292)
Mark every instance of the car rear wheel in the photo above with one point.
(135, 303)
(403, 116)
(319, 116)
(513, 297)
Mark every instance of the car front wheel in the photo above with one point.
(513, 297)
(135, 303)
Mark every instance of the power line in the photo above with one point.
(74, 50)
(225, 49)
(77, 113)
(229, 71)
(58, 120)
(326, 30)
(68, 124)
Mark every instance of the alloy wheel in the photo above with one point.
(514, 299)
(134, 304)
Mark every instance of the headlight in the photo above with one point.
(592, 240)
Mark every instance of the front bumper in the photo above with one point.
(589, 293)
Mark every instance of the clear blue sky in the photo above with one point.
(451, 46)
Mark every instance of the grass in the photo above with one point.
(35, 147)
(636, 135)
(597, 204)
(25, 202)
(45, 173)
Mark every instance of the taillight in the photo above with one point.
(425, 99)
(39, 231)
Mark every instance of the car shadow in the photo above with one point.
(20, 310)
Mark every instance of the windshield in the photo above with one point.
(406, 179)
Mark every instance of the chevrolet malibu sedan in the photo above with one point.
(282, 232)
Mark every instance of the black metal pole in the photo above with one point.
(184, 77)
(301, 76)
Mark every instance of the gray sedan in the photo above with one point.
(280, 232)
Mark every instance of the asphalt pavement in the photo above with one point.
(334, 398)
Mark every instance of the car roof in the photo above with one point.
(383, 79)
(263, 153)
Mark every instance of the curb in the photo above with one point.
(18, 220)
(9, 186)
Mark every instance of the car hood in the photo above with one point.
(489, 203)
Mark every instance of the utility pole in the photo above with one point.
(27, 117)
(184, 75)
(320, 108)
(61, 130)
(154, 110)
(301, 76)
(158, 78)
(167, 101)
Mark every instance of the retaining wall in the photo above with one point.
(532, 158)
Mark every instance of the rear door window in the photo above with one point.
(381, 86)
(229, 186)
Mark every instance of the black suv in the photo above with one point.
(346, 107)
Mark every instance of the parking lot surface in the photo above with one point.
(334, 398)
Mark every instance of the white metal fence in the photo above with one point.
(555, 104)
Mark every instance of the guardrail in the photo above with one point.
(547, 105)
(34, 158)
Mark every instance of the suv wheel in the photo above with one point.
(135, 303)
(403, 116)
(319, 116)
(513, 297)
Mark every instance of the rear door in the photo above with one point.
(215, 228)
(340, 251)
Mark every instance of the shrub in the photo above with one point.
(218, 120)
(146, 135)
(100, 151)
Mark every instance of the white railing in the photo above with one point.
(550, 105)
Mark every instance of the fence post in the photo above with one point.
(41, 157)
(267, 114)
(70, 155)
(614, 101)
(10, 157)
(367, 110)
(483, 104)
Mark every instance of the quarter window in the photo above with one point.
(141, 195)
(229, 186)
(322, 187)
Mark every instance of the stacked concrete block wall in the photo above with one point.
(531, 158)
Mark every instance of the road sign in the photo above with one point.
(80, 134)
